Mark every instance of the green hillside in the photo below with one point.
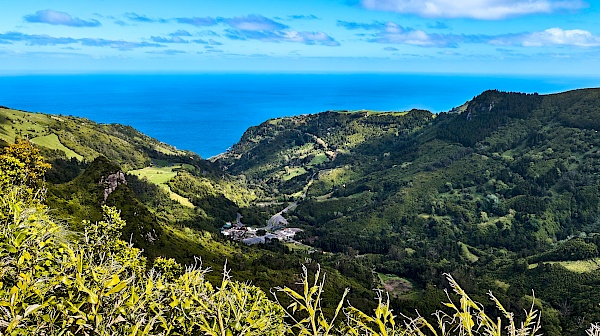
(56, 282)
(173, 202)
(502, 193)
(83, 139)
(488, 193)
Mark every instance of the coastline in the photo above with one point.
(207, 113)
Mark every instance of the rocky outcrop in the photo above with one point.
(111, 182)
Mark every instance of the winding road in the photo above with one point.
(278, 219)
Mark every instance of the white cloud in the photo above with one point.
(253, 22)
(53, 17)
(391, 32)
(257, 27)
(310, 38)
(394, 33)
(557, 36)
(550, 37)
(476, 9)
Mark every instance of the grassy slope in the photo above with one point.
(51, 141)
(578, 266)
(284, 153)
(83, 139)
(24, 124)
(160, 176)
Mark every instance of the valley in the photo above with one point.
(503, 193)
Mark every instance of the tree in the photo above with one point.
(21, 171)
(22, 163)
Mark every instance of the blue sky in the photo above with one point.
(553, 37)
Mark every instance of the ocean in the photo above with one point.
(207, 113)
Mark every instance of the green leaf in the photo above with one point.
(292, 293)
(117, 288)
(92, 298)
(32, 309)
(115, 280)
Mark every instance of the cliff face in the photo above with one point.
(111, 182)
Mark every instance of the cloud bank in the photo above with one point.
(474, 9)
(169, 52)
(249, 27)
(197, 21)
(171, 39)
(550, 37)
(393, 33)
(253, 22)
(46, 40)
(143, 18)
(303, 17)
(258, 27)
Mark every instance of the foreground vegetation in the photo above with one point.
(57, 282)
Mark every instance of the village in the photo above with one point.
(276, 229)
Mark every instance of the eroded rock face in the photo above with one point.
(111, 182)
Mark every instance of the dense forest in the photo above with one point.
(503, 194)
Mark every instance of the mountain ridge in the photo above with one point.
(508, 180)
(502, 192)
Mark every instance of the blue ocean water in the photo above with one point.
(207, 113)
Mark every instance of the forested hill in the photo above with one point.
(158, 189)
(503, 193)
(173, 201)
(486, 191)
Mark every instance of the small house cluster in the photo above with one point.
(251, 236)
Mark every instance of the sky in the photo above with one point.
(542, 37)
